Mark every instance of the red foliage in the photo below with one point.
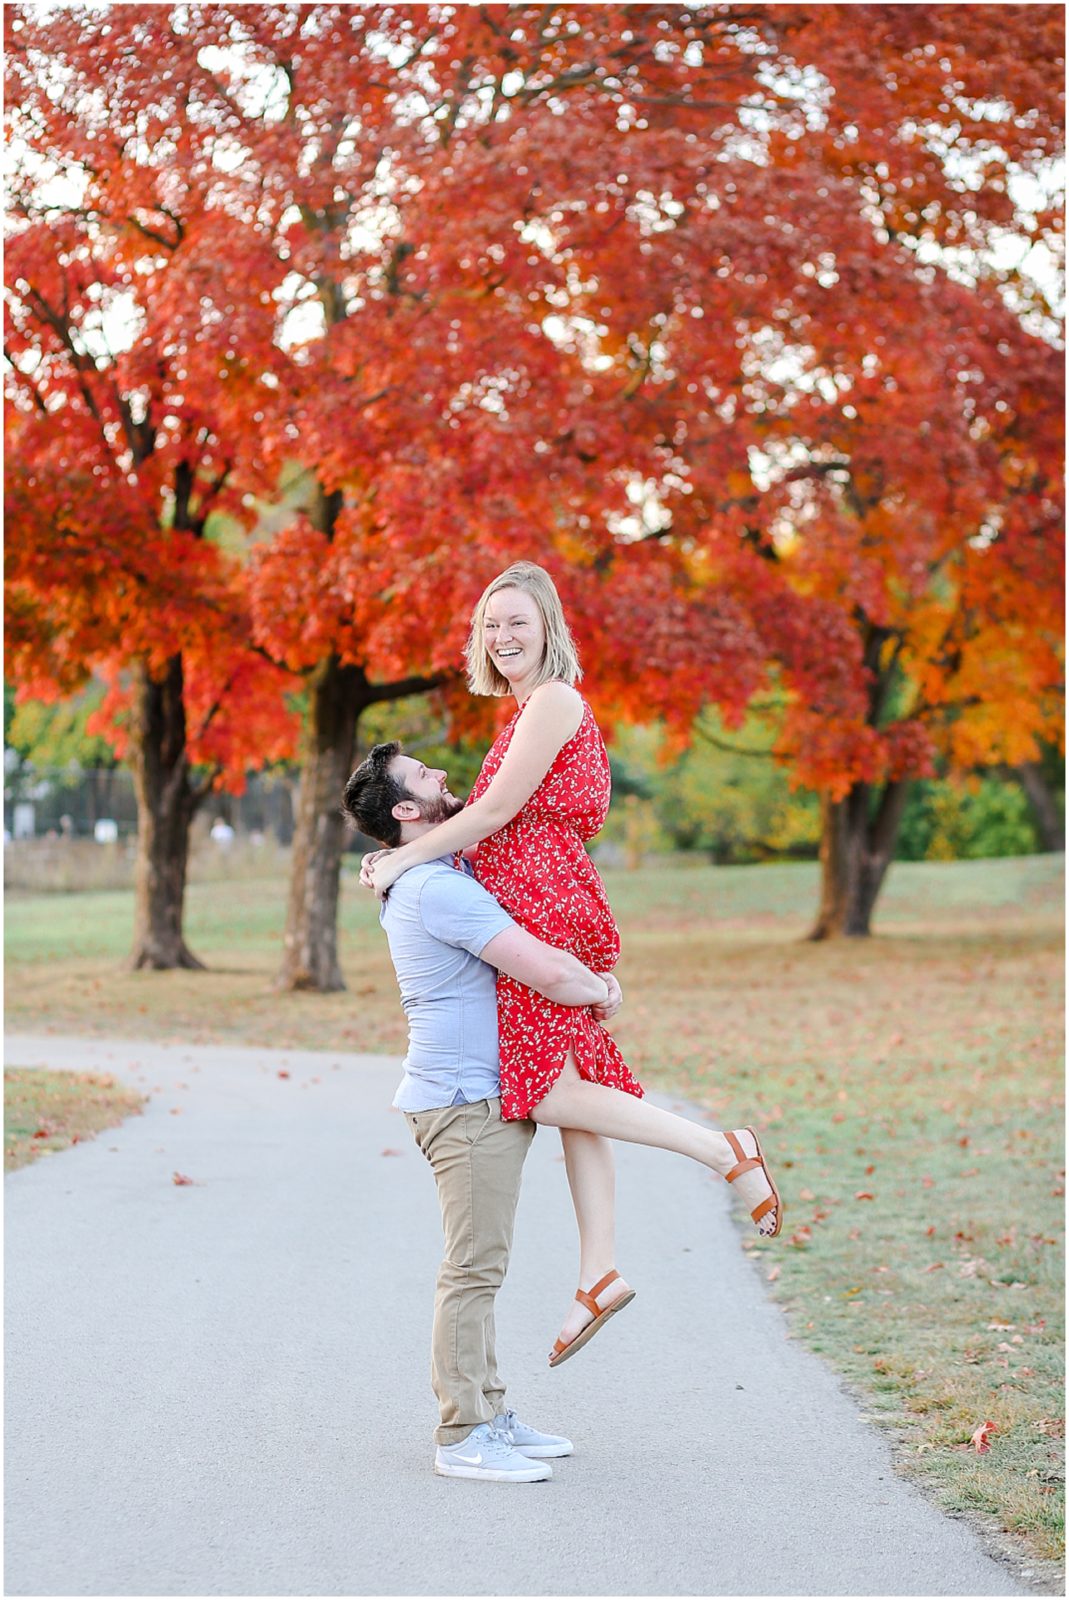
(663, 299)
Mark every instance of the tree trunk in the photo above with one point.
(338, 696)
(310, 951)
(166, 804)
(856, 849)
(1048, 819)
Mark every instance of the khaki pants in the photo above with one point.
(477, 1160)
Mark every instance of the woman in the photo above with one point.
(543, 791)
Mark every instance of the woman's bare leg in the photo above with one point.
(591, 1169)
(573, 1102)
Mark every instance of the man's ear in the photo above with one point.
(405, 811)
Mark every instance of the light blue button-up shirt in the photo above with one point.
(437, 921)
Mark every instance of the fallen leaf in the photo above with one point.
(863, 1194)
(806, 1194)
(772, 1274)
(283, 1073)
(979, 1440)
(389, 1152)
(935, 1266)
(180, 1178)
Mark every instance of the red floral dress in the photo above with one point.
(537, 868)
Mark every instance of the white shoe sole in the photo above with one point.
(533, 1475)
(543, 1452)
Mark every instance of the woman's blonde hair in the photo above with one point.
(560, 659)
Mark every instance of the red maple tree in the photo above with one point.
(764, 290)
(118, 453)
(659, 297)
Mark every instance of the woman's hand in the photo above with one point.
(611, 1006)
(367, 862)
(383, 869)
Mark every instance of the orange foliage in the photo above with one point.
(556, 254)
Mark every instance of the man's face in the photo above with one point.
(427, 786)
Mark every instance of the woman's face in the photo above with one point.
(514, 635)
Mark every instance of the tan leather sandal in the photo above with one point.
(746, 1163)
(565, 1348)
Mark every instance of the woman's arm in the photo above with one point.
(550, 718)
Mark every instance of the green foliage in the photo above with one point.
(726, 795)
(54, 735)
(947, 820)
(424, 732)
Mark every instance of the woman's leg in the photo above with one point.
(574, 1102)
(591, 1168)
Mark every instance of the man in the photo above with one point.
(448, 939)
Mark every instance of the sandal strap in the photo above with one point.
(743, 1162)
(747, 1164)
(589, 1298)
(764, 1208)
(738, 1152)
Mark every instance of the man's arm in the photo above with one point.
(554, 973)
(459, 911)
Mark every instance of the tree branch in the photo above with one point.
(732, 749)
(377, 693)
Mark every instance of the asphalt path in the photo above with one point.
(222, 1387)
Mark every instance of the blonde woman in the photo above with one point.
(542, 793)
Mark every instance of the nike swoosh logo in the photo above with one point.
(471, 1461)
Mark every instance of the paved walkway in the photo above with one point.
(222, 1388)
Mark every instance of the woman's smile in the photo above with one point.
(514, 635)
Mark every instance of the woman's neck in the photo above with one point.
(521, 693)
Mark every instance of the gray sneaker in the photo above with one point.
(528, 1441)
(488, 1453)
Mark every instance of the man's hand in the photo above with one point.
(366, 864)
(611, 1006)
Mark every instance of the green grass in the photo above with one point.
(921, 1068)
(49, 1111)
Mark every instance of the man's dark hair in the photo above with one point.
(371, 794)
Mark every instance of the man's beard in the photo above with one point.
(440, 809)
